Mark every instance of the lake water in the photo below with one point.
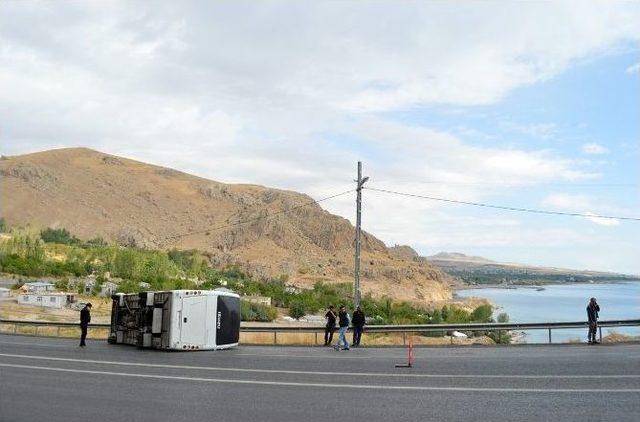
(564, 302)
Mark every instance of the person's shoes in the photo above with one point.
(346, 348)
(596, 342)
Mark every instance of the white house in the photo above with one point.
(107, 287)
(38, 287)
(46, 299)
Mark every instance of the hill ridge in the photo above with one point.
(133, 203)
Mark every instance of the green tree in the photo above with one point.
(503, 317)
(63, 236)
(80, 287)
(482, 313)
(62, 284)
(297, 309)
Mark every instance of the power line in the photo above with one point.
(502, 207)
(250, 220)
(515, 184)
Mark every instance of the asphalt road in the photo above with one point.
(54, 380)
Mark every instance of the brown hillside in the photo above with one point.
(95, 194)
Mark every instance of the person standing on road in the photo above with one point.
(85, 319)
(343, 322)
(592, 313)
(358, 325)
(330, 328)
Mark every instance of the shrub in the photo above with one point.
(96, 241)
(482, 313)
(63, 236)
(62, 284)
(503, 317)
(128, 286)
(80, 287)
(297, 310)
(256, 312)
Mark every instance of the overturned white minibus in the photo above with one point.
(176, 319)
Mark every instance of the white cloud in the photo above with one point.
(289, 94)
(566, 201)
(602, 221)
(580, 203)
(594, 149)
(634, 68)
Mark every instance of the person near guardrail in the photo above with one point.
(85, 319)
(358, 325)
(330, 328)
(343, 322)
(592, 314)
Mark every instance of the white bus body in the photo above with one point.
(176, 319)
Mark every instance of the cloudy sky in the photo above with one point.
(527, 104)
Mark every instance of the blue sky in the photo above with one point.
(523, 104)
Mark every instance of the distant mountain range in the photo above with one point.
(479, 270)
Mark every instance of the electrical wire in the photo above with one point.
(502, 207)
(251, 220)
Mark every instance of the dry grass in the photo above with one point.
(100, 311)
(614, 337)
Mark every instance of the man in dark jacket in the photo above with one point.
(85, 319)
(592, 314)
(330, 328)
(358, 325)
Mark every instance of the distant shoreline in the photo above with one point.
(542, 284)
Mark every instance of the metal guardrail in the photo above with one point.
(425, 328)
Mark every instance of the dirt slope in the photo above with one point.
(95, 194)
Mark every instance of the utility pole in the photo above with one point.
(356, 280)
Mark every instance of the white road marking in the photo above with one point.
(322, 385)
(18, 343)
(329, 373)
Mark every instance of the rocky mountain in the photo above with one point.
(95, 194)
(404, 252)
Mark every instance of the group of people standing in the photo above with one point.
(343, 320)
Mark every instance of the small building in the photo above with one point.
(260, 300)
(108, 288)
(38, 287)
(46, 299)
(4, 293)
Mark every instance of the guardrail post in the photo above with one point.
(58, 332)
(549, 335)
(315, 342)
(404, 338)
(600, 333)
(275, 337)
(36, 333)
(15, 328)
(498, 337)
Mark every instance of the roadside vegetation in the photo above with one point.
(56, 253)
